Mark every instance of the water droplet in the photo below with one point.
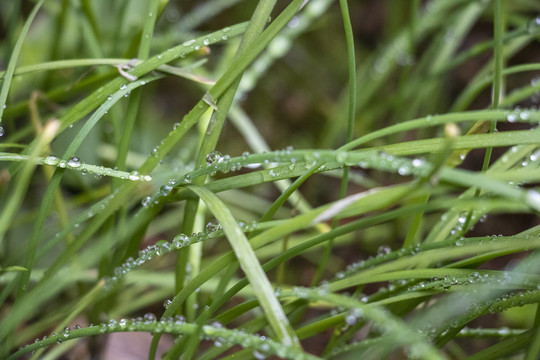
(213, 158)
(123, 87)
(212, 226)
(404, 170)
(165, 190)
(149, 318)
(166, 303)
(512, 118)
(109, 97)
(160, 56)
(74, 162)
(59, 341)
(180, 241)
(534, 26)
(245, 154)
(146, 201)
(418, 162)
(350, 320)
(206, 41)
(533, 198)
(383, 250)
(51, 160)
(189, 43)
(134, 176)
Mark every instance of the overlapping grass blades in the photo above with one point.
(403, 259)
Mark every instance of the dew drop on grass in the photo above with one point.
(383, 250)
(534, 26)
(167, 303)
(533, 198)
(213, 158)
(212, 226)
(206, 41)
(180, 241)
(51, 160)
(146, 201)
(512, 118)
(149, 318)
(165, 190)
(123, 87)
(2, 131)
(350, 320)
(189, 43)
(74, 162)
(404, 170)
(134, 176)
(418, 163)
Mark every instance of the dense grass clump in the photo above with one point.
(301, 179)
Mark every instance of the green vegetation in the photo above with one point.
(237, 179)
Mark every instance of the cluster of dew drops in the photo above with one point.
(75, 163)
(163, 247)
(149, 322)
